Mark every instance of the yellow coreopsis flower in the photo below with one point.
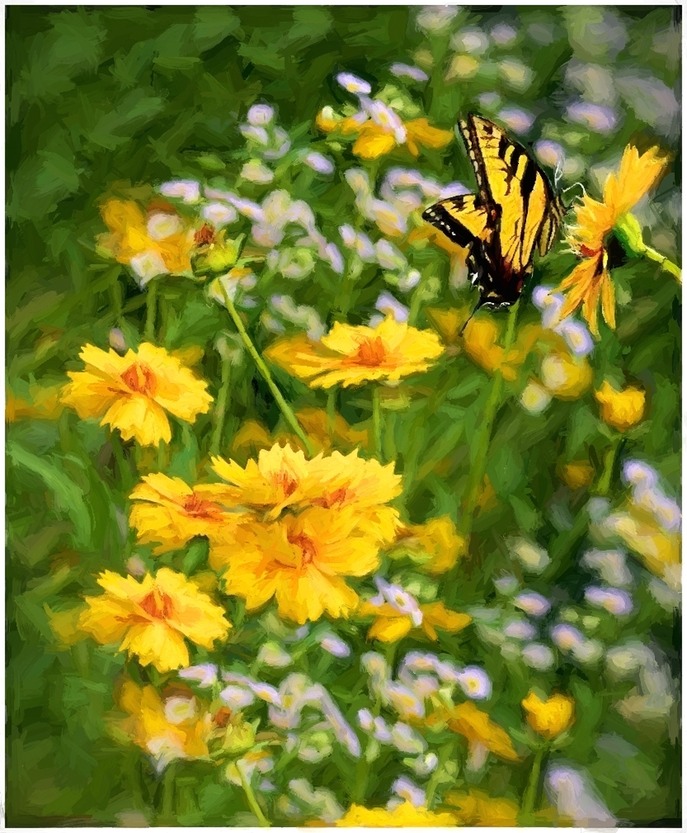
(167, 729)
(153, 242)
(621, 409)
(551, 717)
(391, 625)
(590, 282)
(169, 513)
(135, 392)
(478, 809)
(480, 340)
(403, 815)
(565, 376)
(152, 619)
(577, 474)
(477, 727)
(300, 560)
(353, 355)
(436, 544)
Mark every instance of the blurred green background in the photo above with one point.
(128, 95)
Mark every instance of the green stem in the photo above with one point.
(331, 415)
(483, 438)
(284, 406)
(250, 796)
(151, 310)
(532, 788)
(167, 809)
(666, 264)
(220, 411)
(416, 301)
(377, 421)
(444, 755)
(603, 485)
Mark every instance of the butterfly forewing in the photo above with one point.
(462, 219)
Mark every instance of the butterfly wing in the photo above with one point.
(508, 177)
(462, 219)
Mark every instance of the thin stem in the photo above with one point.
(151, 310)
(250, 795)
(377, 421)
(220, 411)
(603, 485)
(284, 406)
(532, 788)
(483, 438)
(331, 415)
(444, 755)
(666, 264)
(167, 809)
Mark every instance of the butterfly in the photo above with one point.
(515, 213)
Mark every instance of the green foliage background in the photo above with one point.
(107, 95)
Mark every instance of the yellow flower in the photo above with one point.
(435, 545)
(41, 403)
(159, 236)
(565, 376)
(300, 560)
(621, 409)
(151, 619)
(403, 815)
(590, 281)
(170, 513)
(658, 549)
(478, 809)
(481, 343)
(135, 392)
(576, 475)
(551, 717)
(379, 136)
(477, 727)
(350, 355)
(391, 624)
(65, 625)
(167, 729)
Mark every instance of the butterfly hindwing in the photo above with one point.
(462, 219)
(520, 210)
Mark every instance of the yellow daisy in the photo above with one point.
(41, 403)
(403, 815)
(152, 619)
(135, 392)
(301, 560)
(477, 727)
(169, 513)
(590, 282)
(551, 717)
(158, 236)
(353, 355)
(167, 729)
(621, 409)
(391, 625)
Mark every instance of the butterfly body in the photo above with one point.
(515, 213)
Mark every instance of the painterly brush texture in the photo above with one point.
(291, 540)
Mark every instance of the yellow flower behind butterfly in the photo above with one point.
(353, 355)
(134, 393)
(154, 618)
(403, 815)
(590, 283)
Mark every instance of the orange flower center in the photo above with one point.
(306, 546)
(157, 604)
(336, 497)
(196, 507)
(371, 353)
(286, 483)
(139, 378)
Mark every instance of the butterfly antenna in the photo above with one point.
(575, 185)
(477, 306)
